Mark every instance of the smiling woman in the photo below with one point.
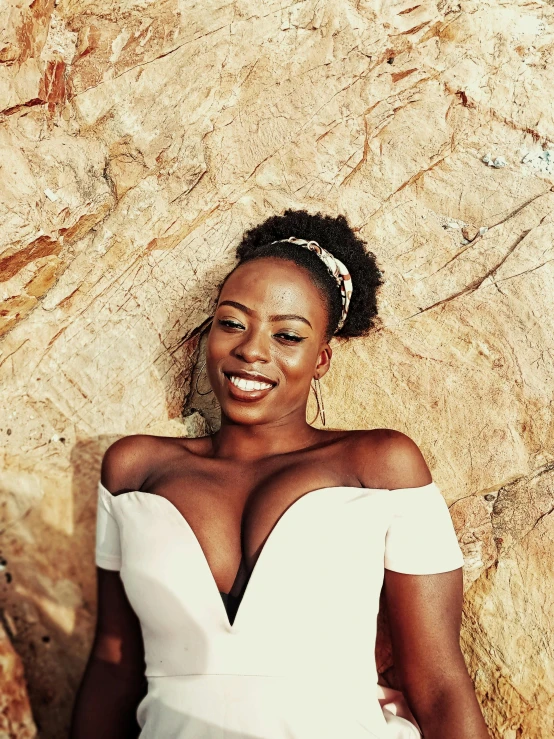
(239, 573)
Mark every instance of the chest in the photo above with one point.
(232, 509)
(310, 604)
(325, 551)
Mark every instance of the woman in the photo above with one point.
(239, 573)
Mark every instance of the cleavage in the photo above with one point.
(233, 530)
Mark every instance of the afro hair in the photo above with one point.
(336, 236)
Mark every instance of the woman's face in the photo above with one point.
(267, 342)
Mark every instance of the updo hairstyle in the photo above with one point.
(336, 236)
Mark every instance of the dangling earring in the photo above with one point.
(319, 400)
(197, 376)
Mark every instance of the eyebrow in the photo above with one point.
(282, 317)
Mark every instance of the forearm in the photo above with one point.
(449, 712)
(106, 703)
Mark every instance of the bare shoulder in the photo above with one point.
(126, 462)
(389, 459)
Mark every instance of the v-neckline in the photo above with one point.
(233, 627)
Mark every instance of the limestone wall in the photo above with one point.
(138, 139)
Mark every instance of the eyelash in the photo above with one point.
(286, 337)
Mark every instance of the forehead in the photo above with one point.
(275, 286)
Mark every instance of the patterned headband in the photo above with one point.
(337, 269)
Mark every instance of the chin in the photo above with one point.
(245, 416)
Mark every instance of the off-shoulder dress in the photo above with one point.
(298, 660)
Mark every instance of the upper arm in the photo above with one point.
(424, 608)
(118, 637)
(425, 617)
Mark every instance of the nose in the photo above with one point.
(253, 347)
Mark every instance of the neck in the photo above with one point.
(252, 442)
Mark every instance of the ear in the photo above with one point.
(323, 361)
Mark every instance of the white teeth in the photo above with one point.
(248, 385)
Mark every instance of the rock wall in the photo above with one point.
(16, 721)
(138, 140)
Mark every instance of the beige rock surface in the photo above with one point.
(16, 720)
(138, 140)
(508, 615)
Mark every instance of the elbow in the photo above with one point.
(431, 690)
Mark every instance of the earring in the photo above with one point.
(197, 376)
(319, 400)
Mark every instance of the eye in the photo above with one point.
(229, 323)
(293, 338)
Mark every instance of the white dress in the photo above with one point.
(298, 662)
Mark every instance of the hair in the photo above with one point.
(337, 237)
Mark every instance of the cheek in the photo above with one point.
(296, 366)
(216, 352)
(217, 345)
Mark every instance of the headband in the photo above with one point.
(337, 269)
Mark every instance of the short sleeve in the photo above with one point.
(108, 546)
(421, 539)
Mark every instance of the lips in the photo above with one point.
(248, 386)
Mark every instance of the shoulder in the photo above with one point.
(389, 459)
(126, 463)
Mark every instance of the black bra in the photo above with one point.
(231, 603)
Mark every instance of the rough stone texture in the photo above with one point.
(16, 721)
(509, 613)
(139, 139)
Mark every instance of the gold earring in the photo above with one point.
(197, 376)
(319, 400)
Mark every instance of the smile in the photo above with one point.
(248, 385)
